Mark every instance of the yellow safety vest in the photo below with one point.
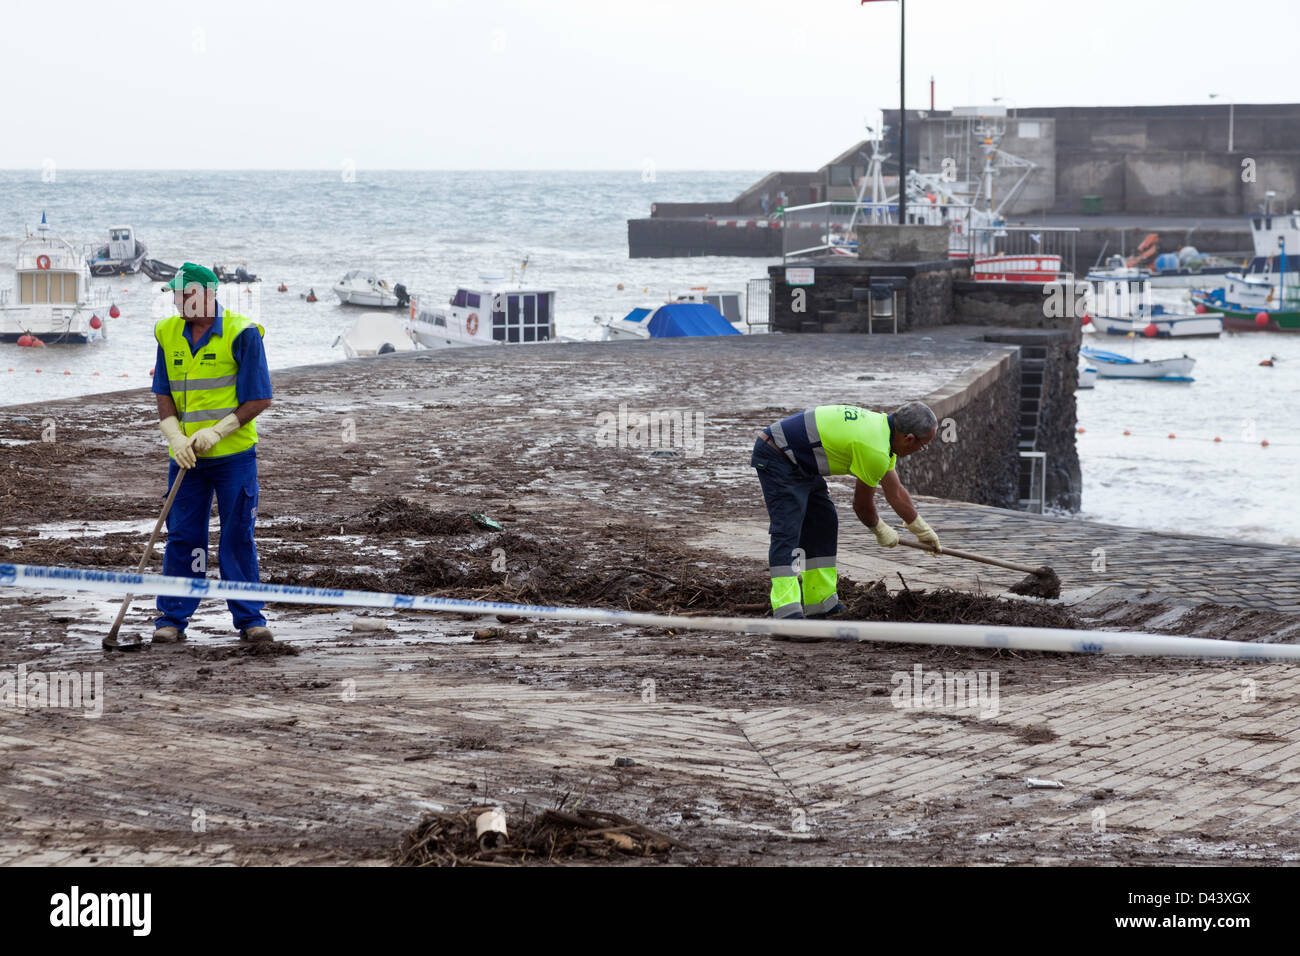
(203, 382)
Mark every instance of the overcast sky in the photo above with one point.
(585, 84)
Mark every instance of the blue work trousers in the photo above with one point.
(234, 483)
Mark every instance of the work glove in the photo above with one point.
(924, 533)
(205, 438)
(886, 536)
(179, 441)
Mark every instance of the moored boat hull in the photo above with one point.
(1208, 324)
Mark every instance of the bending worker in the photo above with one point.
(792, 457)
(211, 381)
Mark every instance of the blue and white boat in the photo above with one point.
(671, 321)
(1271, 280)
(1114, 365)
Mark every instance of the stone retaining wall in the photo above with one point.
(973, 457)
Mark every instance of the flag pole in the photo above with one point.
(902, 114)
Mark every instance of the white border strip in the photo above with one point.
(958, 635)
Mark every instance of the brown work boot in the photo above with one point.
(257, 634)
(168, 635)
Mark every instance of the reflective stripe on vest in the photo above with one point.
(203, 382)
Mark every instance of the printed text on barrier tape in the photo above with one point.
(960, 635)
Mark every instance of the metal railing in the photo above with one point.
(1037, 480)
(758, 305)
(1020, 241)
(830, 227)
(824, 228)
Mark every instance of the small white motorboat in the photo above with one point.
(52, 302)
(123, 255)
(365, 289)
(1114, 365)
(376, 333)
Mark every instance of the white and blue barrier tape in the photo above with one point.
(38, 577)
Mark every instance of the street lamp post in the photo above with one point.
(1232, 107)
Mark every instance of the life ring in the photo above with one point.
(471, 324)
(42, 262)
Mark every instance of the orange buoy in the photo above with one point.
(1264, 443)
(1267, 363)
(38, 370)
(1081, 430)
(1217, 438)
(1261, 319)
(114, 311)
(25, 340)
(94, 373)
(1127, 432)
(282, 288)
(1171, 434)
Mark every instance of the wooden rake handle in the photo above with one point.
(144, 558)
(970, 556)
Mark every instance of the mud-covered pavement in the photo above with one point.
(744, 749)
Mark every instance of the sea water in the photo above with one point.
(434, 231)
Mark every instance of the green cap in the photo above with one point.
(191, 273)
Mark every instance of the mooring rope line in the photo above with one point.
(40, 577)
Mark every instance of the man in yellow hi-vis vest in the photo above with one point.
(791, 458)
(211, 380)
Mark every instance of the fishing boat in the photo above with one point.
(1114, 365)
(52, 301)
(122, 255)
(1270, 281)
(1121, 304)
(376, 333)
(359, 287)
(1260, 320)
(492, 313)
(670, 321)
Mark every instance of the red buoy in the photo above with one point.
(96, 321)
(25, 340)
(1150, 331)
(113, 312)
(1086, 318)
(1201, 310)
(1261, 319)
